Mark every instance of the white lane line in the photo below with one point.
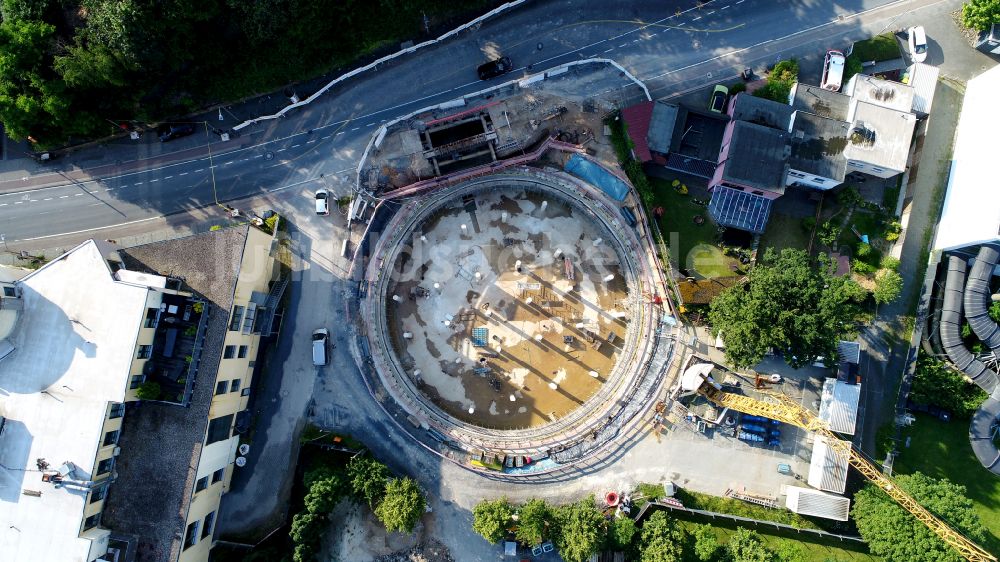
(340, 133)
(3, 204)
(295, 145)
(168, 177)
(324, 138)
(370, 125)
(310, 141)
(623, 45)
(77, 195)
(726, 7)
(739, 1)
(609, 50)
(61, 197)
(47, 199)
(710, 13)
(109, 189)
(697, 18)
(153, 181)
(18, 202)
(199, 170)
(355, 129)
(257, 156)
(637, 40)
(183, 173)
(138, 183)
(281, 150)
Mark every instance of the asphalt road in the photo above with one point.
(126, 182)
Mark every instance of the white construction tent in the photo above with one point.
(827, 469)
(806, 501)
(971, 213)
(838, 405)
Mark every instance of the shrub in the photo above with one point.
(215, 227)
(889, 262)
(863, 250)
(862, 268)
(828, 234)
(937, 384)
(774, 91)
(490, 519)
(809, 224)
(786, 71)
(402, 506)
(533, 522)
(737, 88)
(148, 390)
(980, 14)
(893, 230)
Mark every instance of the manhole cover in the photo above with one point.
(268, 155)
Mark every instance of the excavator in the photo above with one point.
(784, 409)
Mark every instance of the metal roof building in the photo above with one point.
(814, 503)
(827, 469)
(839, 405)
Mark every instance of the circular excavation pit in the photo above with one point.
(509, 309)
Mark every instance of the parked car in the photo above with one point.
(833, 71)
(718, 100)
(322, 202)
(320, 344)
(172, 132)
(917, 40)
(495, 68)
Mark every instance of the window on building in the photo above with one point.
(105, 466)
(191, 536)
(218, 475)
(98, 493)
(150, 321)
(242, 352)
(237, 319)
(218, 429)
(877, 170)
(208, 526)
(795, 174)
(92, 521)
(229, 352)
(819, 180)
(234, 386)
(221, 387)
(201, 484)
(246, 392)
(9, 292)
(758, 193)
(117, 410)
(136, 382)
(111, 438)
(144, 352)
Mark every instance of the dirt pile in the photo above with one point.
(428, 551)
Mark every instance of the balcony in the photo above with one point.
(176, 349)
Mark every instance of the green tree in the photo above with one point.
(789, 304)
(888, 286)
(534, 522)
(306, 533)
(994, 311)
(883, 523)
(661, 540)
(621, 535)
(745, 545)
(790, 551)
(368, 479)
(24, 9)
(938, 384)
(981, 14)
(403, 505)
(706, 544)
(491, 518)
(582, 530)
(325, 494)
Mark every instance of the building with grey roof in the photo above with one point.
(816, 100)
(818, 151)
(756, 158)
(760, 111)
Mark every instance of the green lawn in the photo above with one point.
(784, 231)
(941, 450)
(878, 48)
(816, 549)
(684, 235)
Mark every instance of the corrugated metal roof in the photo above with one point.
(637, 118)
(923, 78)
(661, 127)
(849, 351)
(817, 504)
(839, 405)
(827, 470)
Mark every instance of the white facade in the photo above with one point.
(73, 348)
(814, 503)
(810, 180)
(827, 469)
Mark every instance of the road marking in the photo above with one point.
(61, 197)
(3, 204)
(77, 195)
(623, 45)
(90, 229)
(355, 129)
(295, 145)
(697, 18)
(18, 202)
(739, 1)
(609, 50)
(340, 133)
(47, 199)
(152, 181)
(183, 173)
(199, 170)
(310, 141)
(168, 177)
(324, 138)
(281, 150)
(637, 40)
(138, 183)
(257, 156)
(370, 125)
(726, 7)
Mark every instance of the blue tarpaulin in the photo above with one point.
(596, 175)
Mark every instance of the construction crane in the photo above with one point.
(788, 411)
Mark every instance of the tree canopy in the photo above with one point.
(582, 530)
(981, 14)
(368, 479)
(491, 518)
(936, 383)
(888, 286)
(882, 522)
(661, 540)
(402, 506)
(797, 307)
(534, 522)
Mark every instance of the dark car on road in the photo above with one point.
(176, 131)
(495, 68)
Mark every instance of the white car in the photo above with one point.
(918, 43)
(320, 346)
(833, 71)
(322, 202)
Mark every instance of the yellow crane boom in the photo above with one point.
(788, 411)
